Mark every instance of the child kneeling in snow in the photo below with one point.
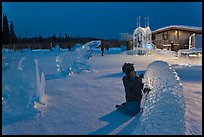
(133, 90)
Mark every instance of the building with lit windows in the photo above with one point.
(177, 37)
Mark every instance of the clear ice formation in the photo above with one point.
(23, 84)
(188, 57)
(164, 109)
(76, 60)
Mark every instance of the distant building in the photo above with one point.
(177, 37)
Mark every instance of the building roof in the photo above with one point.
(178, 27)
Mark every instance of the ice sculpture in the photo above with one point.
(4, 63)
(40, 82)
(93, 44)
(22, 86)
(10, 57)
(76, 46)
(164, 109)
(77, 59)
(188, 57)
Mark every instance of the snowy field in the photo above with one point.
(84, 103)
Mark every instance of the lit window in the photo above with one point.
(176, 35)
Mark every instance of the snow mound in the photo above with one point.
(164, 109)
(22, 87)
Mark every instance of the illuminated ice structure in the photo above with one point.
(76, 60)
(23, 85)
(142, 39)
(164, 109)
(189, 57)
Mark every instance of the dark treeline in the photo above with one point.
(10, 40)
(8, 33)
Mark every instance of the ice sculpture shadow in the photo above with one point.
(120, 74)
(54, 76)
(113, 75)
(114, 119)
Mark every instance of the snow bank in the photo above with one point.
(118, 50)
(56, 48)
(26, 50)
(164, 107)
(166, 52)
(22, 86)
(123, 48)
(140, 51)
(6, 50)
(110, 51)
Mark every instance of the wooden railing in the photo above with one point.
(165, 42)
(182, 43)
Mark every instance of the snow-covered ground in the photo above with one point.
(84, 103)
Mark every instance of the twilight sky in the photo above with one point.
(97, 19)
